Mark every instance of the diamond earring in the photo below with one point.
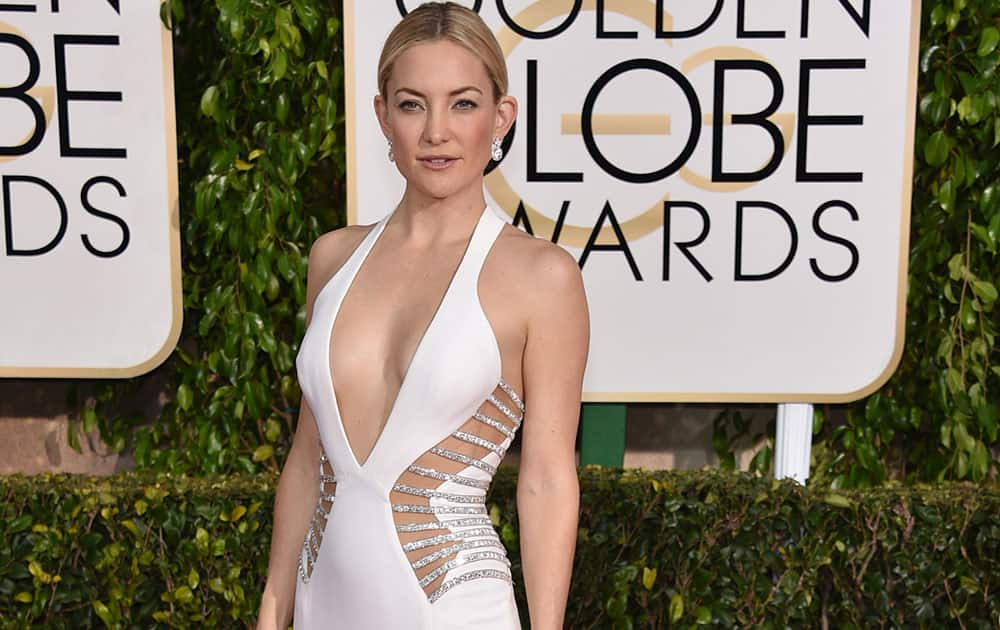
(392, 156)
(496, 150)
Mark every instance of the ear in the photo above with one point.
(382, 113)
(506, 115)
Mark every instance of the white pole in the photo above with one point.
(792, 441)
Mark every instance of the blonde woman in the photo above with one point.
(434, 335)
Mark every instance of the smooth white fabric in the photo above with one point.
(362, 578)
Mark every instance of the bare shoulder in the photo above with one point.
(546, 272)
(332, 249)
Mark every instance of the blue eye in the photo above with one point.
(466, 104)
(409, 105)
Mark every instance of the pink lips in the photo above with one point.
(438, 162)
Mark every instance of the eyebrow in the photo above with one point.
(452, 93)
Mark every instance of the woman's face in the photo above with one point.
(441, 116)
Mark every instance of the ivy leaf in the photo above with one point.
(676, 608)
(936, 148)
(988, 41)
(985, 291)
(648, 578)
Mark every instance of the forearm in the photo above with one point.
(548, 512)
(294, 504)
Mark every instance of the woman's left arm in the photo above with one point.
(548, 491)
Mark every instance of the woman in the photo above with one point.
(433, 335)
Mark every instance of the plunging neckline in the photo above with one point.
(385, 423)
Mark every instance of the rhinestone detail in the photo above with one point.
(310, 546)
(440, 509)
(463, 459)
(460, 561)
(513, 395)
(516, 419)
(448, 551)
(493, 422)
(478, 441)
(429, 525)
(437, 494)
(465, 577)
(443, 538)
(443, 476)
(478, 533)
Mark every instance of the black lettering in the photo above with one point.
(760, 119)
(805, 120)
(20, 93)
(85, 200)
(8, 215)
(521, 218)
(533, 174)
(743, 33)
(587, 122)
(622, 246)
(826, 236)
(18, 8)
(738, 275)
(65, 95)
(557, 230)
(686, 246)
(604, 34)
(553, 32)
(662, 33)
(863, 20)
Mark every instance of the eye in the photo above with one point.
(466, 104)
(409, 105)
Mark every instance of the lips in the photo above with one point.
(437, 162)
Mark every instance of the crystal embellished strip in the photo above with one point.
(513, 395)
(443, 538)
(437, 494)
(516, 419)
(478, 441)
(443, 476)
(429, 525)
(465, 577)
(464, 459)
(448, 551)
(310, 546)
(463, 560)
(440, 509)
(493, 422)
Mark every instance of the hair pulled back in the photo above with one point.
(435, 21)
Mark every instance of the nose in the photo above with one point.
(436, 129)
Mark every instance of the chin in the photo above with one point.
(442, 188)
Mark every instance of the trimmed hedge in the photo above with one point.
(655, 550)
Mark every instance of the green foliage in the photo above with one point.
(654, 550)
(259, 111)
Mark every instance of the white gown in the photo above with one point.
(404, 540)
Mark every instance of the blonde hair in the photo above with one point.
(434, 21)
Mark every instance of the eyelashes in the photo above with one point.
(414, 106)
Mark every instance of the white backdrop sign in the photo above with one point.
(732, 176)
(90, 255)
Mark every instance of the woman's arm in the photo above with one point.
(548, 492)
(298, 487)
(294, 504)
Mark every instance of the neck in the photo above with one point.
(421, 218)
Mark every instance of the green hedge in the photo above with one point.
(655, 550)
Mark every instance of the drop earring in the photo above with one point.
(496, 150)
(392, 156)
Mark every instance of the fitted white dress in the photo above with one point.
(404, 539)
